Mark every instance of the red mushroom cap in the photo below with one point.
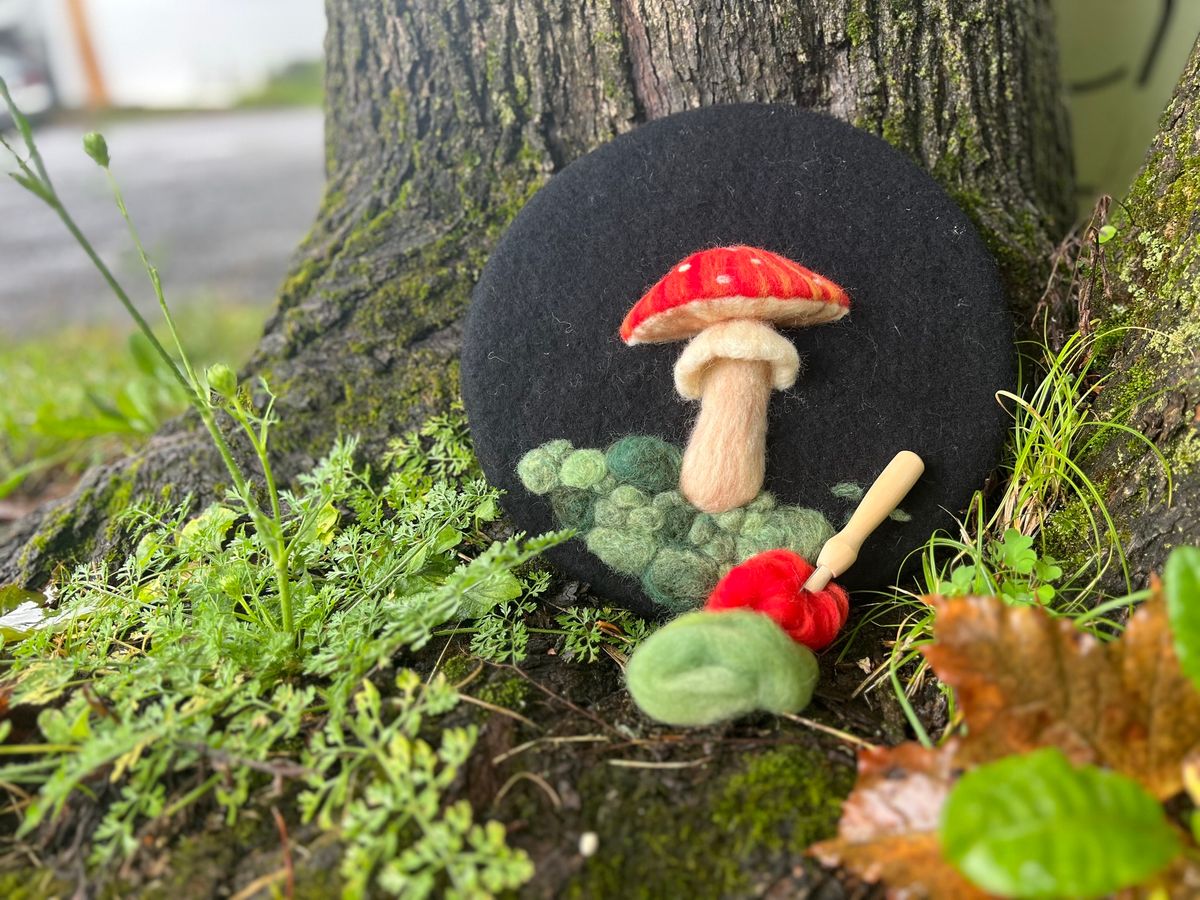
(732, 283)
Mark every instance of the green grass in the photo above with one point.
(300, 84)
(91, 392)
(1004, 543)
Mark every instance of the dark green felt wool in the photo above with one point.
(645, 462)
(573, 507)
(676, 577)
(625, 503)
(706, 667)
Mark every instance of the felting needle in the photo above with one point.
(841, 550)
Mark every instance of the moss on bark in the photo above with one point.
(1154, 373)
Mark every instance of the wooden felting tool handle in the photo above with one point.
(841, 550)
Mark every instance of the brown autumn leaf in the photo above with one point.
(1025, 680)
(888, 830)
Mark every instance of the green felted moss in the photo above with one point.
(573, 507)
(605, 485)
(722, 548)
(583, 469)
(708, 667)
(645, 519)
(629, 497)
(645, 462)
(607, 514)
(538, 470)
(764, 502)
(704, 529)
(677, 552)
(806, 529)
(754, 522)
(677, 515)
(626, 551)
(759, 541)
(731, 520)
(680, 579)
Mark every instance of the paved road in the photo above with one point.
(221, 201)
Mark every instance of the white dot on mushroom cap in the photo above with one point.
(724, 279)
(756, 261)
(685, 267)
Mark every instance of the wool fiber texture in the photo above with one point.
(706, 667)
(772, 583)
(725, 460)
(676, 552)
(916, 364)
(737, 339)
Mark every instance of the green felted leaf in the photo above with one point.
(1181, 584)
(1035, 826)
(706, 667)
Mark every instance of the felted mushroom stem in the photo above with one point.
(731, 367)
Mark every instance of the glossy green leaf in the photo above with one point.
(1036, 826)
(1181, 584)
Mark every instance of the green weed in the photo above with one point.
(1003, 545)
(157, 670)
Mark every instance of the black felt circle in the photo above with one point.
(914, 366)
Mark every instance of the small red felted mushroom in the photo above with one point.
(772, 584)
(726, 300)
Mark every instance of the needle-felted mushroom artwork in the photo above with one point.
(811, 303)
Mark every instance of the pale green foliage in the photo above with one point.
(89, 392)
(1010, 568)
(503, 636)
(181, 676)
(381, 787)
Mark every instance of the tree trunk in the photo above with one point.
(1152, 270)
(443, 118)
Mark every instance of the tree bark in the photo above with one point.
(1152, 271)
(444, 117)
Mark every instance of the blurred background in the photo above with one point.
(212, 112)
